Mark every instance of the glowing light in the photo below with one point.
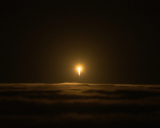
(79, 70)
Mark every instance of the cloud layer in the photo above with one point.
(79, 105)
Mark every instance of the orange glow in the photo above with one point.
(79, 69)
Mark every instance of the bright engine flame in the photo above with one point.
(79, 70)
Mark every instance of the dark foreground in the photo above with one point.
(79, 105)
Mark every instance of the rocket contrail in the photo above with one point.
(79, 70)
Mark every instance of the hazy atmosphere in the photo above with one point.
(116, 42)
(79, 64)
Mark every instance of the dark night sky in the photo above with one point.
(115, 42)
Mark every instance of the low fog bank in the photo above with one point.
(79, 105)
